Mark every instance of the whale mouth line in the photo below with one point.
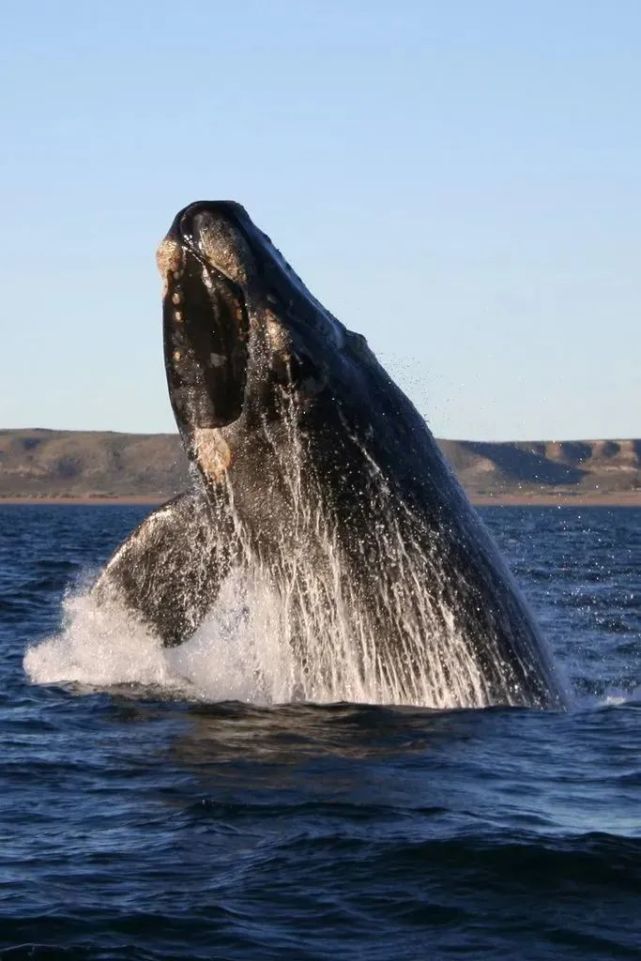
(206, 350)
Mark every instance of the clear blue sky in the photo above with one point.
(459, 181)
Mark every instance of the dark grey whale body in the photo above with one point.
(314, 474)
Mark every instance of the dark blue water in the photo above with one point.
(137, 826)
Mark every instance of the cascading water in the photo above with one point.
(297, 623)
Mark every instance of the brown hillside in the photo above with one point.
(39, 463)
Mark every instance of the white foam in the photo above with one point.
(616, 697)
(258, 645)
(236, 654)
(98, 646)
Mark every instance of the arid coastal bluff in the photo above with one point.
(51, 465)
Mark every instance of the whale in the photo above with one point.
(316, 482)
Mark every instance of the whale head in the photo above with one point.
(240, 330)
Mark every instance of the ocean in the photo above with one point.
(140, 822)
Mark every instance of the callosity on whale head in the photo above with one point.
(241, 328)
(318, 483)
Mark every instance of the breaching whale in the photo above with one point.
(315, 477)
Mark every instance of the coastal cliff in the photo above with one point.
(37, 464)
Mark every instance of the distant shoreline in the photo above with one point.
(124, 501)
(633, 499)
(621, 499)
(85, 467)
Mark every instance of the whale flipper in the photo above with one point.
(169, 569)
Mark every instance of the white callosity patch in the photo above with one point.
(169, 258)
(212, 451)
(224, 246)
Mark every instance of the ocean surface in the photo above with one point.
(137, 822)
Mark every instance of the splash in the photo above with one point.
(259, 644)
(103, 646)
(302, 621)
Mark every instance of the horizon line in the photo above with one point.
(454, 440)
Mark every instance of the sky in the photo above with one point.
(460, 182)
